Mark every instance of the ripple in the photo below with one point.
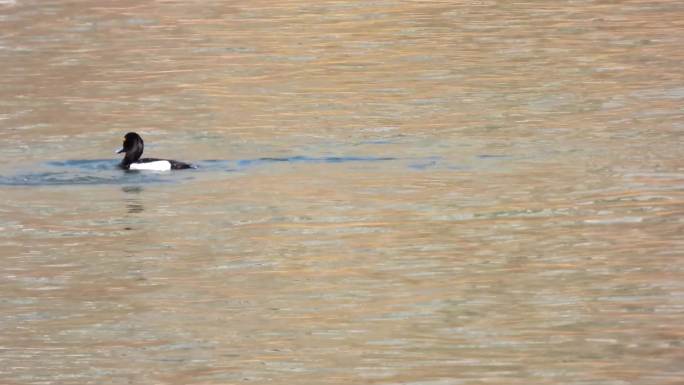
(308, 159)
(106, 171)
(66, 178)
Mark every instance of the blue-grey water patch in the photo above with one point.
(66, 178)
(308, 159)
(82, 172)
(493, 156)
(424, 163)
(106, 171)
(85, 164)
(243, 164)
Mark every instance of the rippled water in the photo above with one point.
(388, 192)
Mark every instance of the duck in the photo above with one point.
(133, 146)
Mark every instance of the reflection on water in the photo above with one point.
(133, 204)
(392, 192)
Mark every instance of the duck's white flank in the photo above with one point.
(159, 165)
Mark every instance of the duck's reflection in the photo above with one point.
(134, 207)
(133, 202)
(132, 189)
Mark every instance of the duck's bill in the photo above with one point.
(119, 151)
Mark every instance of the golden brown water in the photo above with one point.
(389, 192)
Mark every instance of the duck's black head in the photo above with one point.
(133, 147)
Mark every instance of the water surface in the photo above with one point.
(388, 192)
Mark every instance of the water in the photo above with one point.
(388, 192)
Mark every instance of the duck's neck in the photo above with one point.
(130, 157)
